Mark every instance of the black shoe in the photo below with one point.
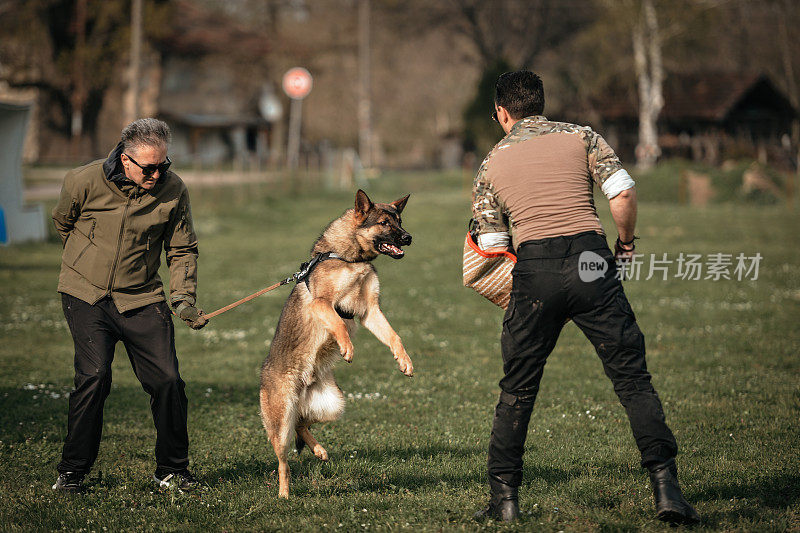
(70, 482)
(671, 506)
(183, 480)
(503, 503)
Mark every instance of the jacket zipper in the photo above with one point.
(146, 259)
(119, 246)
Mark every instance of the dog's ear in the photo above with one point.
(363, 205)
(401, 203)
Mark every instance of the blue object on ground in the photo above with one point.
(3, 236)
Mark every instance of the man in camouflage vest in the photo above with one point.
(115, 216)
(537, 185)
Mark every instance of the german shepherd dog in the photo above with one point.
(297, 384)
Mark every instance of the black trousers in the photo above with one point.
(149, 339)
(547, 290)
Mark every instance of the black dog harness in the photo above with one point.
(308, 267)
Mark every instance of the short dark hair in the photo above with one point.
(521, 93)
(146, 131)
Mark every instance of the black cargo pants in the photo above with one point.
(149, 339)
(547, 290)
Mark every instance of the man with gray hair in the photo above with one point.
(114, 217)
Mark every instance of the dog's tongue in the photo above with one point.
(392, 249)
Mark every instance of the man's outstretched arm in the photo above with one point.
(619, 188)
(623, 211)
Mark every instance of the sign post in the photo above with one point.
(297, 84)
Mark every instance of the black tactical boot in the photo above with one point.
(503, 503)
(671, 506)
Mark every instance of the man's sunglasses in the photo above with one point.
(494, 117)
(149, 170)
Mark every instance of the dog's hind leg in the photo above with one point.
(279, 424)
(281, 449)
(322, 402)
(304, 434)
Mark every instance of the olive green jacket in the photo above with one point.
(113, 232)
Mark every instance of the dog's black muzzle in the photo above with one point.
(393, 246)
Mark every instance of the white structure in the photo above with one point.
(21, 223)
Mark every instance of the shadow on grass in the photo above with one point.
(550, 474)
(749, 499)
(31, 409)
(569, 471)
(26, 413)
(306, 465)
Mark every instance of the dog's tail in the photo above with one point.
(299, 444)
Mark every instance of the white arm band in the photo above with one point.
(616, 183)
(493, 240)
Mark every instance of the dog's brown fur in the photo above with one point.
(297, 384)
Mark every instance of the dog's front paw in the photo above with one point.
(404, 362)
(346, 349)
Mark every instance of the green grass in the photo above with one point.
(662, 184)
(409, 454)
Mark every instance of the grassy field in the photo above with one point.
(409, 454)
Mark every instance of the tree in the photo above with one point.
(506, 35)
(507, 30)
(650, 78)
(71, 50)
(497, 36)
(626, 55)
(480, 133)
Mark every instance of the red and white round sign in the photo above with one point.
(297, 83)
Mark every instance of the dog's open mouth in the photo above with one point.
(391, 250)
